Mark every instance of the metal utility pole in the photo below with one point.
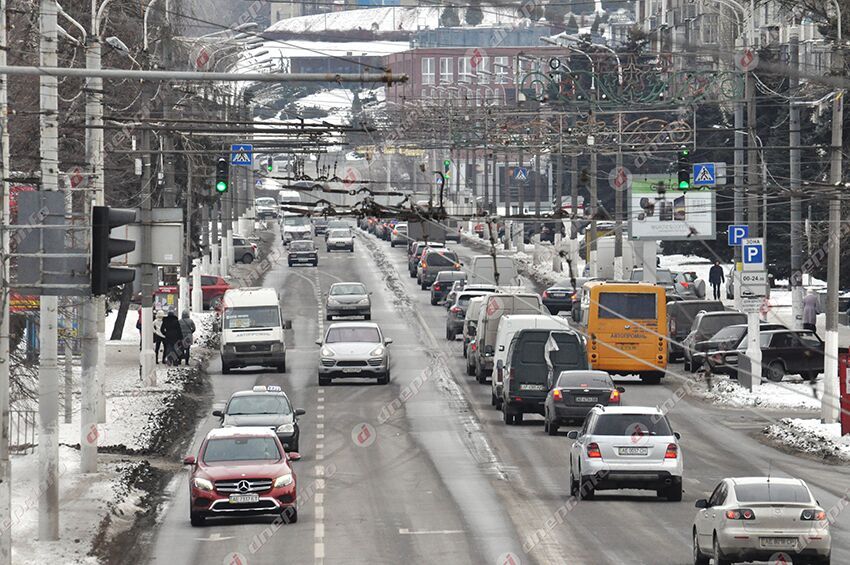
(537, 184)
(215, 207)
(574, 210)
(753, 189)
(227, 223)
(594, 204)
(738, 196)
(5, 220)
(48, 373)
(183, 283)
(251, 212)
(148, 282)
(619, 273)
(508, 203)
(794, 185)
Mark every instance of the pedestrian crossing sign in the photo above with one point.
(703, 174)
(242, 155)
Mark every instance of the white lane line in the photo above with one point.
(320, 530)
(320, 416)
(320, 436)
(320, 456)
(319, 446)
(320, 426)
(320, 513)
(320, 498)
(405, 531)
(320, 484)
(320, 407)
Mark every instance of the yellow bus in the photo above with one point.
(625, 325)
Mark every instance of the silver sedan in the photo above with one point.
(348, 299)
(354, 349)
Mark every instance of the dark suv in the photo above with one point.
(705, 326)
(443, 284)
(680, 317)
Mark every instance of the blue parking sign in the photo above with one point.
(737, 234)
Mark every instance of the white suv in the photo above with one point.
(625, 447)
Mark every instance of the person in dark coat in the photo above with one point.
(173, 336)
(187, 327)
(716, 278)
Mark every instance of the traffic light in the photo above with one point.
(684, 169)
(270, 165)
(221, 173)
(104, 248)
(447, 165)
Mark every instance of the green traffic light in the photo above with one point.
(447, 163)
(221, 186)
(684, 185)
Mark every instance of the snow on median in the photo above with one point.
(788, 394)
(812, 437)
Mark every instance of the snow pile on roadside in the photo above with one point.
(811, 436)
(785, 395)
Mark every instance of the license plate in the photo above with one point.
(351, 370)
(531, 387)
(587, 399)
(778, 542)
(632, 450)
(244, 498)
(557, 295)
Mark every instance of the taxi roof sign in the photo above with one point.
(266, 388)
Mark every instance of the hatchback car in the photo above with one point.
(558, 298)
(354, 349)
(399, 235)
(434, 261)
(302, 252)
(348, 299)
(243, 250)
(680, 318)
(758, 519)
(667, 279)
(241, 472)
(263, 406)
(339, 239)
(625, 447)
(573, 395)
(415, 255)
(705, 326)
(457, 312)
(443, 284)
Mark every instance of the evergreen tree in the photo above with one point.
(449, 17)
(474, 15)
(572, 25)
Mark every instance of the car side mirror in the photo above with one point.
(370, 293)
(293, 456)
(189, 460)
(572, 434)
(501, 348)
(218, 413)
(677, 435)
(621, 389)
(287, 324)
(701, 503)
(318, 342)
(300, 411)
(488, 350)
(500, 364)
(388, 340)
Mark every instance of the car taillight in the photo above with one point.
(455, 309)
(672, 451)
(545, 294)
(812, 514)
(684, 284)
(740, 514)
(615, 397)
(472, 346)
(556, 394)
(593, 451)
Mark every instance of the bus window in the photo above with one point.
(627, 306)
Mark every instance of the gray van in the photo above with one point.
(680, 318)
(498, 305)
(528, 372)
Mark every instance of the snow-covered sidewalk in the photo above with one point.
(812, 437)
(790, 394)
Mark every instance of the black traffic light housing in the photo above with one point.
(222, 170)
(104, 248)
(270, 165)
(684, 170)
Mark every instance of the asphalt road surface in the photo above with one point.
(424, 471)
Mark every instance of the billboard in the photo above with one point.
(659, 211)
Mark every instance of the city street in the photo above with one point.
(437, 476)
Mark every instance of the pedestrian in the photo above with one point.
(716, 278)
(173, 336)
(811, 309)
(158, 336)
(187, 327)
(139, 327)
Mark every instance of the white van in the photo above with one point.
(252, 329)
(483, 269)
(509, 325)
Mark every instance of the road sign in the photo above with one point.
(703, 174)
(737, 234)
(752, 252)
(753, 283)
(520, 173)
(242, 155)
(752, 305)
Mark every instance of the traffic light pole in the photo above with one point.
(147, 355)
(183, 283)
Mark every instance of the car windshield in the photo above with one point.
(241, 449)
(584, 380)
(337, 224)
(568, 353)
(662, 277)
(265, 202)
(627, 305)
(251, 317)
(339, 233)
(733, 334)
(296, 221)
(347, 289)
(258, 404)
(301, 246)
(441, 258)
(353, 335)
(631, 424)
(772, 492)
(710, 325)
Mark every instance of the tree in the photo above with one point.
(594, 28)
(555, 12)
(572, 25)
(449, 17)
(473, 15)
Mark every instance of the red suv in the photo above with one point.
(241, 471)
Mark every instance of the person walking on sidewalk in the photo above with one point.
(811, 309)
(187, 327)
(158, 336)
(173, 335)
(716, 278)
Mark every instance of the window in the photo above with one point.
(772, 492)
(258, 404)
(348, 289)
(809, 340)
(574, 379)
(353, 335)
(502, 70)
(626, 424)
(208, 281)
(464, 69)
(251, 317)
(242, 449)
(301, 246)
(718, 497)
(446, 71)
(627, 306)
(482, 69)
(428, 70)
(782, 340)
(441, 259)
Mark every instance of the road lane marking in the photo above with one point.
(320, 436)
(215, 537)
(320, 530)
(405, 531)
(320, 498)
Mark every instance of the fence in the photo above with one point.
(22, 429)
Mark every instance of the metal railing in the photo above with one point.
(22, 430)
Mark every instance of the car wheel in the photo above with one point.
(367, 316)
(433, 301)
(470, 369)
(687, 366)
(699, 558)
(384, 379)
(573, 483)
(673, 493)
(289, 263)
(508, 416)
(552, 428)
(329, 317)
(225, 369)
(282, 367)
(492, 398)
(423, 286)
(294, 445)
(247, 259)
(499, 403)
(718, 554)
(290, 515)
(809, 375)
(465, 354)
(775, 371)
(324, 381)
(197, 520)
(586, 489)
(450, 335)
(518, 419)
(479, 375)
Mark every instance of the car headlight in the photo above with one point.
(327, 352)
(283, 480)
(286, 429)
(364, 301)
(202, 484)
(377, 352)
(332, 300)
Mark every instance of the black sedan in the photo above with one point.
(574, 394)
(302, 252)
(558, 298)
(783, 352)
